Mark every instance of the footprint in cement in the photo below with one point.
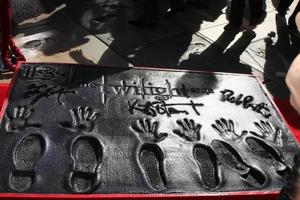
(151, 160)
(26, 154)
(86, 152)
(207, 162)
(230, 157)
(269, 154)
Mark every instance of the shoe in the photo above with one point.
(142, 23)
(172, 11)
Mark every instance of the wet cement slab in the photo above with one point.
(86, 129)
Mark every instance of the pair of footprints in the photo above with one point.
(86, 152)
(261, 145)
(206, 157)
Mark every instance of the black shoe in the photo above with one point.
(172, 11)
(142, 23)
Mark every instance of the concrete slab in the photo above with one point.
(234, 44)
(190, 51)
(268, 50)
(65, 44)
(124, 115)
(110, 24)
(262, 30)
(199, 18)
(214, 14)
(28, 13)
(168, 53)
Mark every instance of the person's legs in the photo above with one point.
(5, 23)
(283, 6)
(256, 10)
(237, 12)
(292, 23)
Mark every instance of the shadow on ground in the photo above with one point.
(278, 57)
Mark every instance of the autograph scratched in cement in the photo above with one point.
(246, 102)
(154, 108)
(40, 91)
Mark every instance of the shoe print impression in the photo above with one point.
(151, 160)
(268, 153)
(150, 156)
(231, 158)
(86, 153)
(26, 154)
(207, 163)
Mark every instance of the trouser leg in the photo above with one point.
(292, 23)
(284, 5)
(256, 10)
(237, 12)
(5, 23)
